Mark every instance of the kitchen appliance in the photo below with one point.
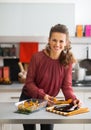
(83, 83)
(78, 73)
(12, 63)
(86, 63)
(79, 77)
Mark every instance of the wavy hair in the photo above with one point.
(66, 57)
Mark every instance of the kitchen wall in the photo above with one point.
(34, 19)
(82, 8)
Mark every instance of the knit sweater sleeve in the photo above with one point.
(67, 83)
(31, 88)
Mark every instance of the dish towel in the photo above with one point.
(27, 49)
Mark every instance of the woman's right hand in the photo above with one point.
(50, 99)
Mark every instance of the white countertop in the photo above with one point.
(8, 116)
(11, 87)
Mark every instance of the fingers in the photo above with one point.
(77, 102)
(50, 99)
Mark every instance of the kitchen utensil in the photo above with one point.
(13, 51)
(21, 67)
(22, 74)
(1, 74)
(6, 75)
(14, 68)
(66, 107)
(86, 63)
(1, 51)
(79, 73)
(74, 112)
(6, 51)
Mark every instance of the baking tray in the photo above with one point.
(30, 105)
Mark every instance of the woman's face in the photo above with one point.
(57, 42)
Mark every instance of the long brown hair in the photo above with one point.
(66, 57)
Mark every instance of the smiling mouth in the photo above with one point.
(57, 48)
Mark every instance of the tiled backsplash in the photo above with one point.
(79, 50)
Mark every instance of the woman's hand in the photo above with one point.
(50, 99)
(77, 102)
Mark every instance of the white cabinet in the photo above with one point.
(84, 96)
(13, 96)
(87, 99)
(10, 96)
(70, 126)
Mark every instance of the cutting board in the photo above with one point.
(74, 112)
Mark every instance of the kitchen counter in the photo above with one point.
(8, 116)
(11, 87)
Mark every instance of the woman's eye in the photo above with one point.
(54, 40)
(61, 41)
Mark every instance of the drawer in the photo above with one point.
(9, 96)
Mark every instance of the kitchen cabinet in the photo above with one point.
(70, 126)
(84, 96)
(10, 95)
(87, 99)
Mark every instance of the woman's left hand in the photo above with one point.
(77, 102)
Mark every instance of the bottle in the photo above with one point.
(1, 51)
(79, 31)
(13, 51)
(88, 30)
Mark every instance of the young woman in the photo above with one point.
(50, 71)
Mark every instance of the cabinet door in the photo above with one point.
(68, 126)
(16, 127)
(9, 96)
(87, 99)
(20, 127)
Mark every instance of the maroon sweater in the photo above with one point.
(47, 76)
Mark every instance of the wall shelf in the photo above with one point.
(80, 40)
(17, 39)
(40, 39)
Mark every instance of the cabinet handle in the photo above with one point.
(14, 97)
